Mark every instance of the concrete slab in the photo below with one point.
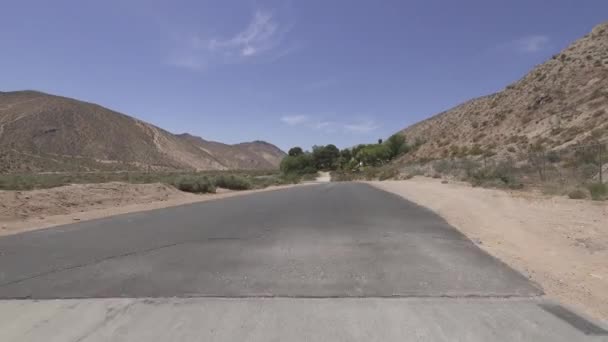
(283, 319)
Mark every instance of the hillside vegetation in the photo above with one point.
(548, 130)
(560, 103)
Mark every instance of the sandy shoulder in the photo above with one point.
(560, 243)
(22, 211)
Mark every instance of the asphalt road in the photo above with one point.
(333, 262)
(334, 240)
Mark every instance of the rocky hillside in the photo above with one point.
(250, 155)
(41, 132)
(558, 104)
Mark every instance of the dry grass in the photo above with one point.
(236, 180)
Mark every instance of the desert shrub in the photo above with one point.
(469, 166)
(194, 184)
(442, 166)
(501, 175)
(342, 176)
(598, 191)
(588, 170)
(553, 157)
(476, 150)
(370, 173)
(290, 178)
(577, 194)
(388, 173)
(232, 182)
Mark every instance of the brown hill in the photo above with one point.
(41, 132)
(558, 104)
(250, 155)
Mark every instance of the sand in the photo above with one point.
(560, 243)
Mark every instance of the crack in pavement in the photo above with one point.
(96, 261)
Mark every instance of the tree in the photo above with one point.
(397, 145)
(325, 157)
(346, 154)
(295, 151)
(374, 155)
(345, 158)
(300, 164)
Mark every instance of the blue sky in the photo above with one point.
(288, 72)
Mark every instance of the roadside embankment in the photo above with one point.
(560, 243)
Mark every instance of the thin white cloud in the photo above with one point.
(527, 44)
(322, 124)
(294, 120)
(533, 43)
(261, 36)
(364, 126)
(360, 127)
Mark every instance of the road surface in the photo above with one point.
(333, 262)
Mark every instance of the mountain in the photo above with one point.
(558, 104)
(250, 155)
(42, 132)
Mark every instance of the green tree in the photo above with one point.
(300, 164)
(345, 158)
(397, 144)
(374, 155)
(325, 157)
(295, 151)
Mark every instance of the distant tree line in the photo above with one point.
(330, 158)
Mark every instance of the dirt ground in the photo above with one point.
(28, 210)
(561, 244)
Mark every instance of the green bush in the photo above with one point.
(299, 164)
(194, 184)
(291, 178)
(598, 191)
(577, 194)
(374, 155)
(397, 145)
(232, 182)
